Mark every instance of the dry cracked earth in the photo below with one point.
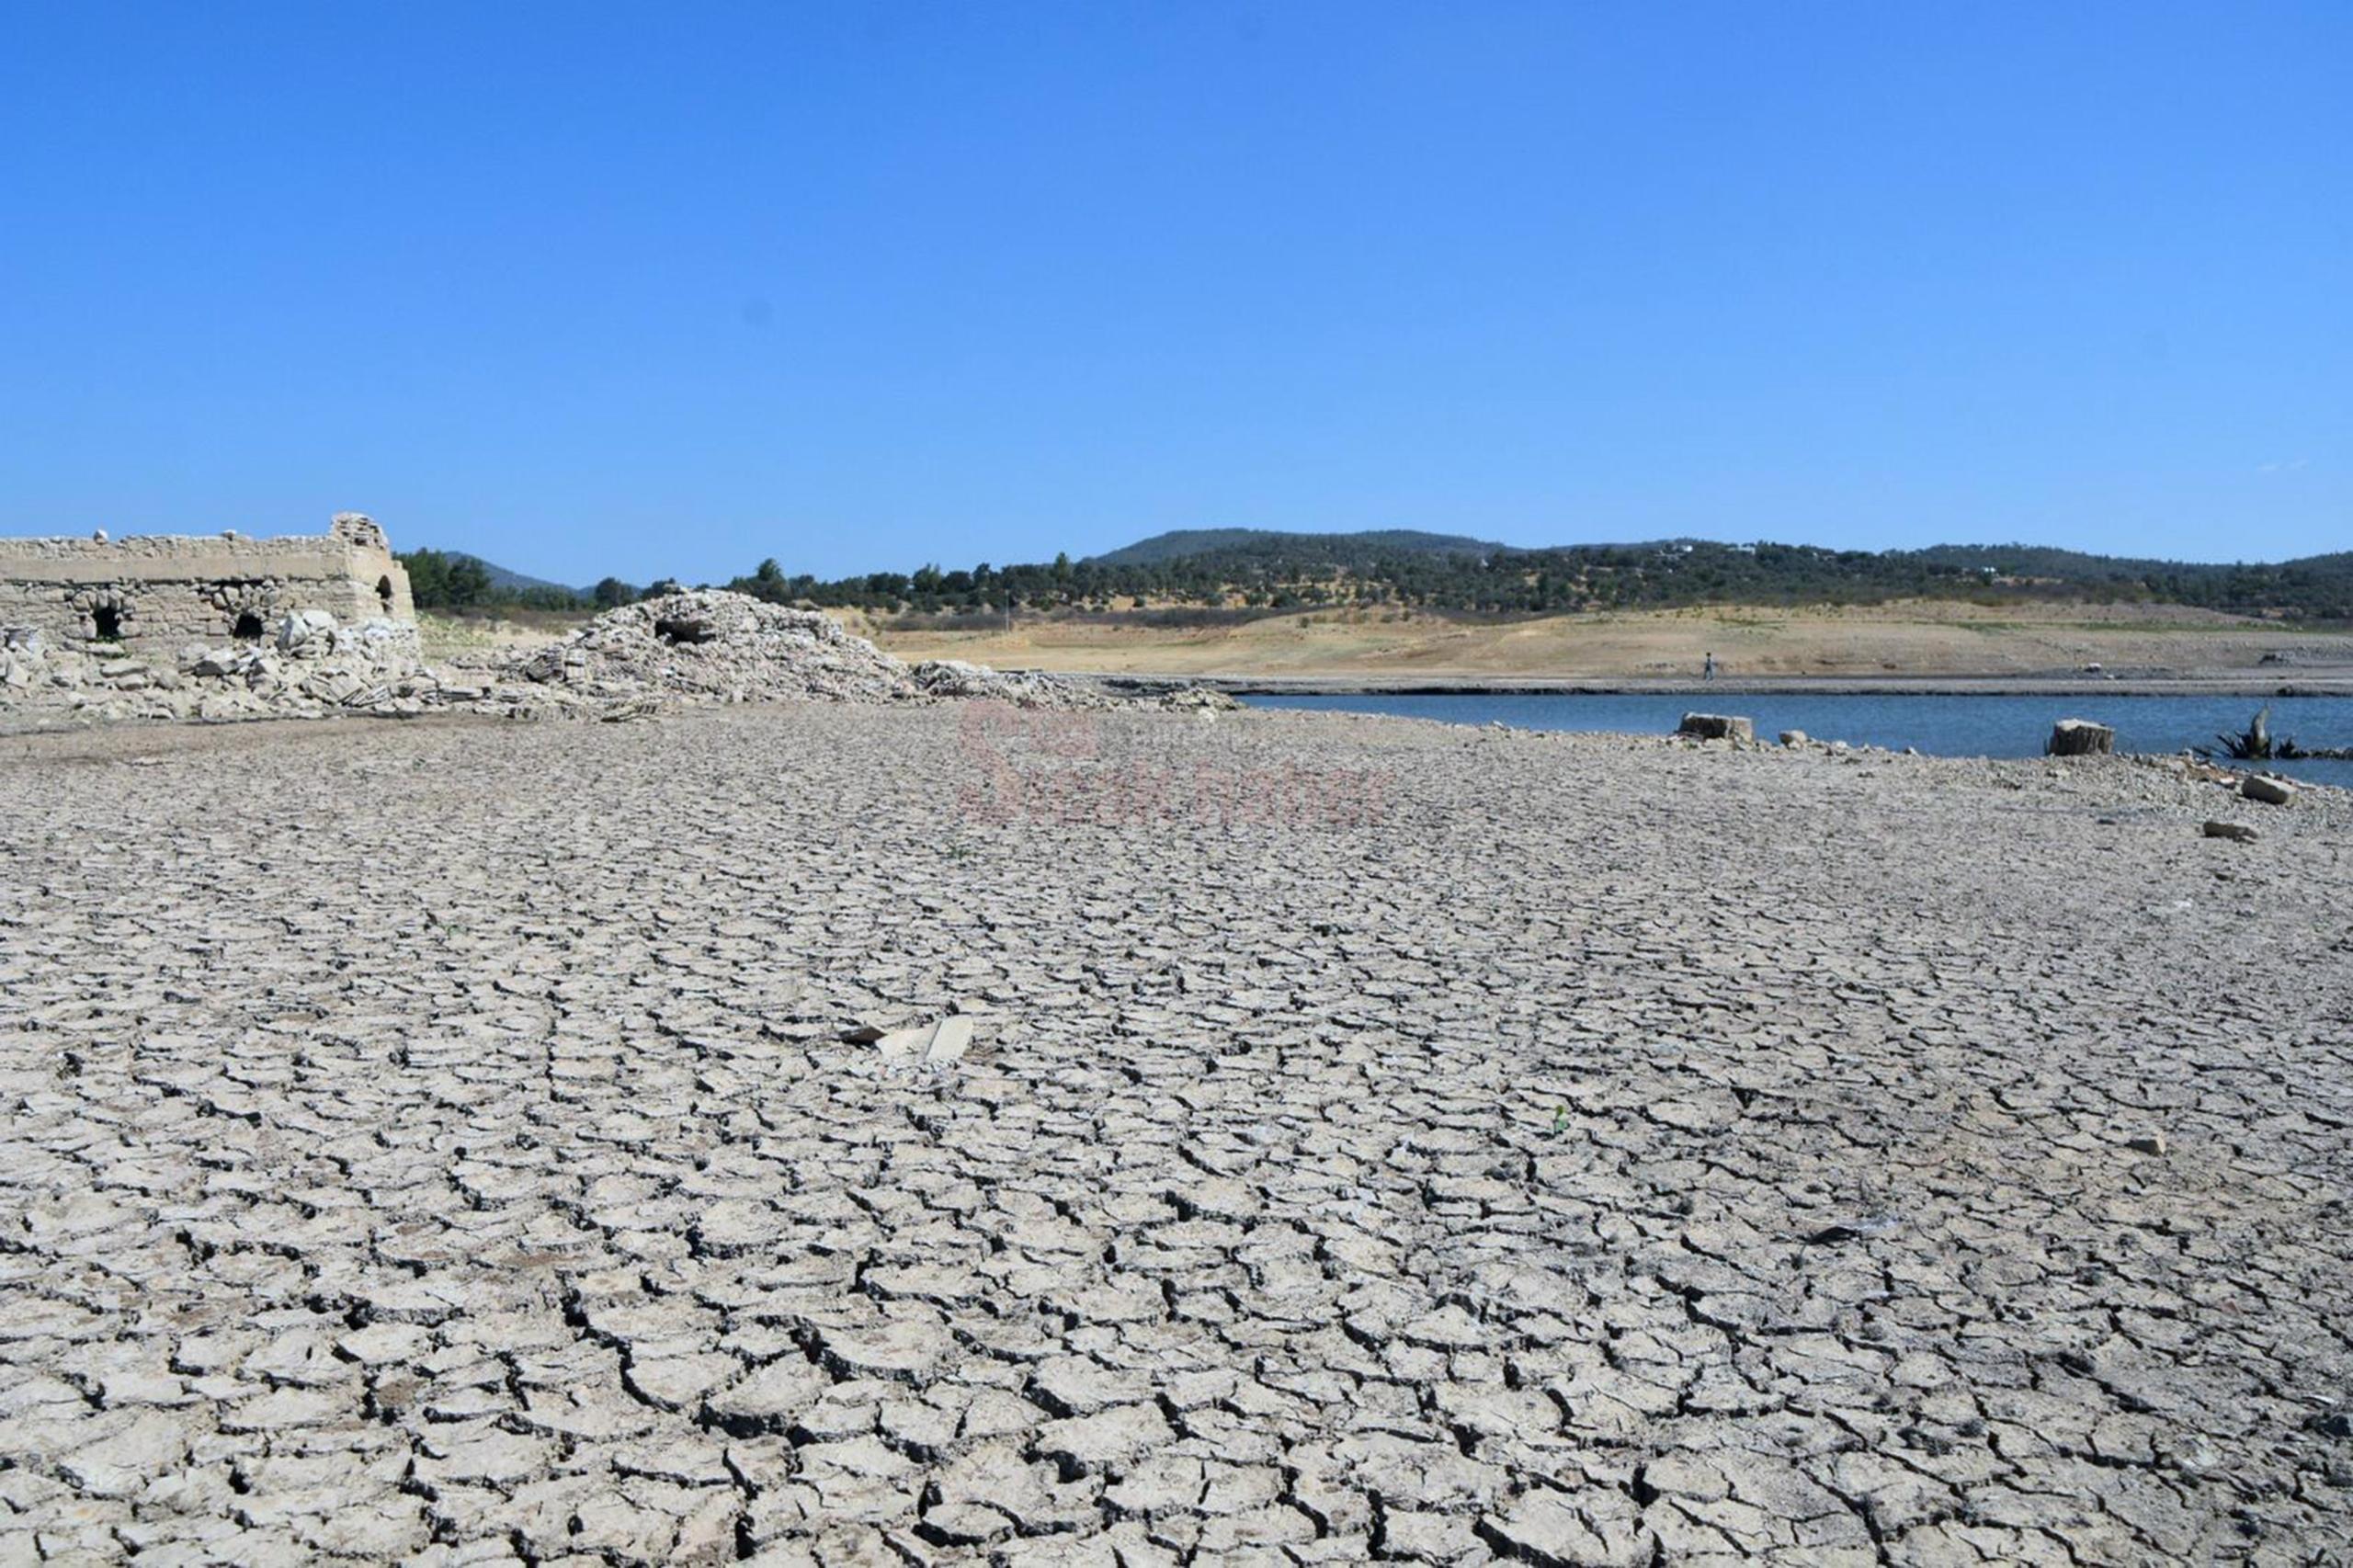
(455, 1142)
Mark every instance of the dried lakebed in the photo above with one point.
(455, 1141)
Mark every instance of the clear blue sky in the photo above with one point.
(666, 289)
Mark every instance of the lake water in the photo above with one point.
(1941, 726)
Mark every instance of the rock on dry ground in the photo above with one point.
(453, 1142)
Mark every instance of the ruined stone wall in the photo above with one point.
(159, 592)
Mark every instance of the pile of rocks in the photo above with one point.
(708, 646)
(1027, 688)
(712, 645)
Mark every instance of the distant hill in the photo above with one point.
(1351, 550)
(503, 581)
(1244, 571)
(457, 582)
(1247, 571)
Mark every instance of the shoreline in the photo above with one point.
(2334, 683)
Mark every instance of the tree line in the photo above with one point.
(1296, 573)
(1575, 579)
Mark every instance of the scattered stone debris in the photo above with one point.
(1202, 699)
(1717, 727)
(1026, 688)
(2237, 832)
(2270, 791)
(1795, 737)
(2147, 1143)
(2080, 737)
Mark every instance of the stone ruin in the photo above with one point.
(677, 651)
(151, 594)
(231, 627)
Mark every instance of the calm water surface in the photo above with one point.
(1942, 726)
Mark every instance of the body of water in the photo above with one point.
(1939, 725)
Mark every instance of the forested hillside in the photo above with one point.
(1351, 550)
(1284, 571)
(1240, 572)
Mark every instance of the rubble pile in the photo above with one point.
(1026, 688)
(712, 645)
(707, 646)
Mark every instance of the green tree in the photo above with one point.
(440, 580)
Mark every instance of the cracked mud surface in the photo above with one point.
(441, 1144)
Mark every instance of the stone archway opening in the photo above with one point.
(384, 594)
(685, 631)
(248, 628)
(106, 624)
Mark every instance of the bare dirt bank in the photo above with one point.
(1936, 641)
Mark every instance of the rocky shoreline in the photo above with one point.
(2322, 681)
(453, 1142)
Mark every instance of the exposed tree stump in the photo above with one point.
(2080, 737)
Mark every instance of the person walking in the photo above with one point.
(1708, 670)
